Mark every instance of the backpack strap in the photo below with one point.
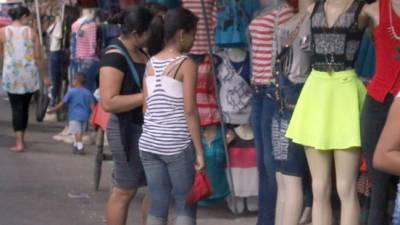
(128, 59)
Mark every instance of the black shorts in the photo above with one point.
(126, 174)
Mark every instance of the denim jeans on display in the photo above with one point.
(290, 157)
(55, 60)
(170, 177)
(372, 122)
(264, 105)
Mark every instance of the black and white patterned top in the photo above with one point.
(335, 48)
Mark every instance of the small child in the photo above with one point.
(80, 103)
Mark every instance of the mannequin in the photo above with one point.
(235, 91)
(381, 91)
(237, 55)
(55, 35)
(328, 146)
(264, 105)
(243, 166)
(84, 48)
(289, 155)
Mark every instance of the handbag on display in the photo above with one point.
(202, 189)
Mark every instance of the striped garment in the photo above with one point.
(86, 39)
(200, 45)
(262, 32)
(165, 130)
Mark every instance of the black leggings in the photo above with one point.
(20, 110)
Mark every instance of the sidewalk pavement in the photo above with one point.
(48, 185)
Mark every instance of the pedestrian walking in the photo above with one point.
(80, 103)
(170, 145)
(22, 61)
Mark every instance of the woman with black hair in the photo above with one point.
(121, 73)
(170, 145)
(22, 59)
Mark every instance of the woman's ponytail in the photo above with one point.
(156, 40)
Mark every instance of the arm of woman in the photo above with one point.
(189, 71)
(387, 153)
(110, 88)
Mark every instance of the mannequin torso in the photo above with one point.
(84, 34)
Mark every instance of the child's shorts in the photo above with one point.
(76, 127)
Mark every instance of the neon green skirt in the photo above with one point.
(327, 114)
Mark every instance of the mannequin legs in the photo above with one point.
(290, 200)
(293, 200)
(347, 165)
(320, 164)
(280, 200)
(346, 168)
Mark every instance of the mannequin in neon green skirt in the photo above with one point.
(327, 116)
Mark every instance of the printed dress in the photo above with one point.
(20, 72)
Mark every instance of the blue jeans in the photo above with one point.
(264, 105)
(55, 59)
(170, 176)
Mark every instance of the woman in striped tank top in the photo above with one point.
(170, 145)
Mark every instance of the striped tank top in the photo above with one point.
(165, 130)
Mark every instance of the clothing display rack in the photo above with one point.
(222, 123)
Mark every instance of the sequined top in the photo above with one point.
(335, 48)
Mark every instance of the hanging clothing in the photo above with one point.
(312, 126)
(262, 31)
(200, 45)
(244, 68)
(108, 33)
(206, 94)
(366, 58)
(233, 19)
(55, 36)
(297, 67)
(243, 166)
(84, 39)
(20, 72)
(335, 47)
(234, 92)
(165, 130)
(387, 75)
(215, 159)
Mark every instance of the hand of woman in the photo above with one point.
(200, 162)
